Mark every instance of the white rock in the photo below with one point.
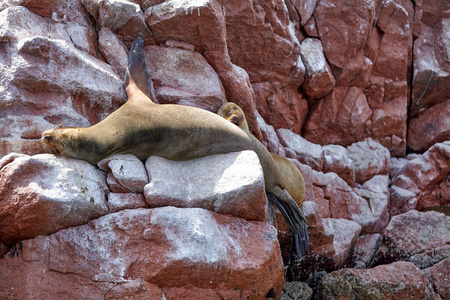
(230, 183)
(307, 152)
(44, 193)
(128, 170)
(345, 234)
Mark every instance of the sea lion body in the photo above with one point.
(293, 179)
(175, 132)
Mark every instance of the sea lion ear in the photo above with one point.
(137, 69)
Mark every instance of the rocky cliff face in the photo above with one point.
(355, 93)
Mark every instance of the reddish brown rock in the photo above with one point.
(124, 17)
(412, 233)
(430, 127)
(184, 77)
(400, 280)
(114, 51)
(272, 55)
(42, 194)
(439, 276)
(159, 245)
(280, 106)
(230, 183)
(319, 80)
(342, 117)
(422, 181)
(431, 79)
(134, 289)
(203, 26)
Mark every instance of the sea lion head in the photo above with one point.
(233, 113)
(63, 141)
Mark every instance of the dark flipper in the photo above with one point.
(296, 222)
(137, 69)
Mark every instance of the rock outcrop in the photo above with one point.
(355, 93)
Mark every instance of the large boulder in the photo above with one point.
(186, 252)
(42, 194)
(422, 180)
(416, 236)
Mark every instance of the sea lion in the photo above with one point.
(295, 183)
(143, 128)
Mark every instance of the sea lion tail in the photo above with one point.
(296, 221)
(137, 69)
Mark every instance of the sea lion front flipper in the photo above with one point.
(137, 69)
(295, 220)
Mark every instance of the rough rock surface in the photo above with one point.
(218, 183)
(42, 194)
(400, 280)
(422, 181)
(375, 89)
(413, 235)
(439, 276)
(127, 170)
(159, 246)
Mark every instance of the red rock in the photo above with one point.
(121, 201)
(128, 170)
(417, 183)
(400, 280)
(200, 24)
(439, 276)
(431, 80)
(430, 127)
(394, 51)
(414, 232)
(125, 18)
(237, 87)
(203, 26)
(184, 77)
(230, 183)
(342, 117)
(281, 107)
(135, 289)
(42, 194)
(319, 80)
(113, 50)
(159, 245)
(272, 55)
(305, 9)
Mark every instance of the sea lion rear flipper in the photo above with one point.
(137, 69)
(296, 222)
